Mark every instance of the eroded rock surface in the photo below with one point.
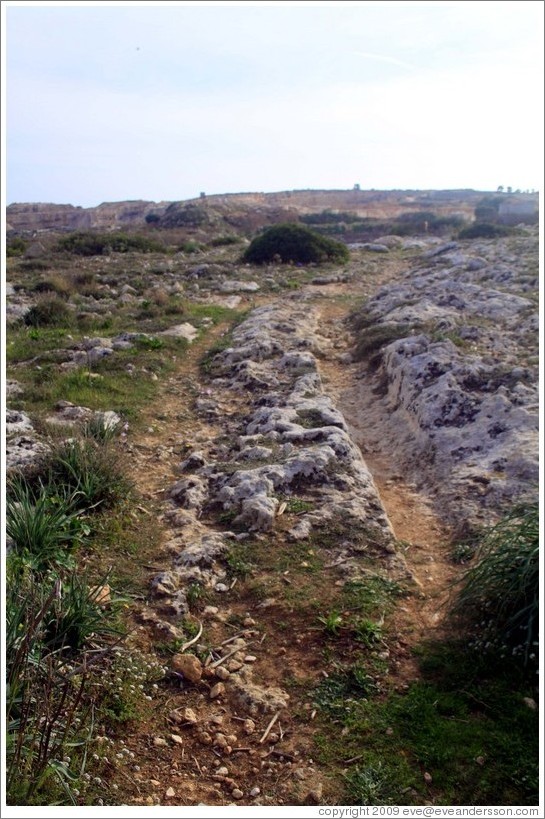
(458, 394)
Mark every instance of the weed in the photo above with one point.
(99, 428)
(368, 632)
(332, 623)
(373, 784)
(237, 563)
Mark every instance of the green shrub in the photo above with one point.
(190, 247)
(499, 599)
(87, 243)
(16, 247)
(294, 243)
(54, 284)
(485, 230)
(220, 241)
(49, 311)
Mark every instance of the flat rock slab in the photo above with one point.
(186, 331)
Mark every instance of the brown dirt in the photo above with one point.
(279, 598)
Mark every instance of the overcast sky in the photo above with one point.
(161, 101)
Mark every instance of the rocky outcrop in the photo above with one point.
(458, 387)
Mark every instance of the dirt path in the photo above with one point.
(421, 535)
(221, 752)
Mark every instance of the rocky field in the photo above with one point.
(310, 451)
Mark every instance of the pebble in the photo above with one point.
(531, 703)
(249, 726)
(217, 690)
(154, 782)
(217, 719)
(222, 588)
(159, 742)
(428, 778)
(170, 793)
(176, 738)
(255, 791)
(189, 715)
(236, 793)
(223, 771)
(234, 665)
(222, 673)
(248, 621)
(205, 738)
(250, 658)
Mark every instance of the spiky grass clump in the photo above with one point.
(91, 473)
(499, 599)
(42, 528)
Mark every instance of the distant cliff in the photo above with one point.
(245, 210)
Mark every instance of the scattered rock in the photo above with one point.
(160, 742)
(217, 690)
(188, 665)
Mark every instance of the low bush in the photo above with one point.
(220, 241)
(87, 243)
(16, 247)
(485, 230)
(294, 243)
(49, 311)
(54, 284)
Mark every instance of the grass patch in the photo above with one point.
(464, 723)
(499, 598)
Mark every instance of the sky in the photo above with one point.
(160, 101)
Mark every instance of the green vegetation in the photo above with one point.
(372, 339)
(292, 243)
(224, 241)
(466, 732)
(49, 311)
(87, 243)
(485, 230)
(369, 228)
(499, 599)
(66, 672)
(15, 247)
